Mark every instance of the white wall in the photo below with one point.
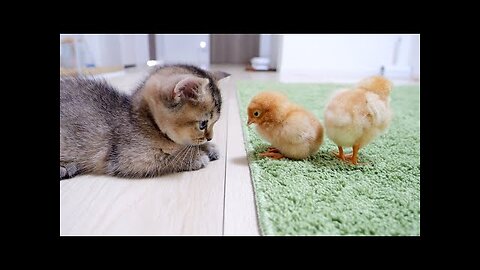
(265, 43)
(269, 48)
(127, 49)
(106, 49)
(186, 49)
(159, 47)
(94, 46)
(415, 57)
(141, 50)
(121, 50)
(357, 55)
(275, 49)
(116, 50)
(134, 49)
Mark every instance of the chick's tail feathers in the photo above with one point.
(319, 138)
(377, 84)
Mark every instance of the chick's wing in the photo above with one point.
(297, 128)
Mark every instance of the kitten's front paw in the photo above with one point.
(211, 151)
(200, 162)
(68, 171)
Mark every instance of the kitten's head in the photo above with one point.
(184, 101)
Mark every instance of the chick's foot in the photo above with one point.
(349, 157)
(353, 157)
(272, 155)
(273, 150)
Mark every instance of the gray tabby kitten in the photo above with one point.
(163, 127)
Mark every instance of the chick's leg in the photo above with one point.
(340, 154)
(354, 156)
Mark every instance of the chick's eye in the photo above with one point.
(256, 114)
(203, 124)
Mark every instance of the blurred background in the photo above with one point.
(322, 56)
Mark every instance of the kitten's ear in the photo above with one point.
(218, 75)
(190, 88)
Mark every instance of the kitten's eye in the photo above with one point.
(256, 113)
(203, 124)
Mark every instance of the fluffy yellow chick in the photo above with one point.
(293, 131)
(354, 117)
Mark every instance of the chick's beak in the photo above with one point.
(250, 121)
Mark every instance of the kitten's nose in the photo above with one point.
(209, 139)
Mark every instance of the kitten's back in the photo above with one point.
(82, 95)
(89, 111)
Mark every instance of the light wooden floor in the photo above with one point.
(217, 200)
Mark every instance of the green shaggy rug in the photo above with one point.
(326, 196)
